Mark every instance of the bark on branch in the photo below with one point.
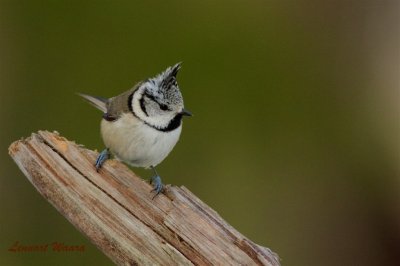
(115, 210)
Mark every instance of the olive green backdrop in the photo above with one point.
(295, 134)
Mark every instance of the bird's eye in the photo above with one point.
(163, 107)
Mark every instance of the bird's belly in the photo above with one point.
(137, 144)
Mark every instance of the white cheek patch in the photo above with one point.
(151, 108)
(153, 119)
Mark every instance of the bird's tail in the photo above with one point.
(98, 102)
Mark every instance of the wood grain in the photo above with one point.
(115, 210)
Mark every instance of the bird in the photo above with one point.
(142, 125)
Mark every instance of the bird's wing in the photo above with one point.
(112, 107)
(121, 103)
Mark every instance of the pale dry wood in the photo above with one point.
(115, 210)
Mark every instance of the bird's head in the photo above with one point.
(158, 100)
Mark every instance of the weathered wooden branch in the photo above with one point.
(115, 210)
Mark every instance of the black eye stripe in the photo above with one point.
(151, 97)
(163, 107)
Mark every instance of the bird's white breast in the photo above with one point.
(136, 143)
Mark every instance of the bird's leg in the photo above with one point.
(103, 156)
(156, 182)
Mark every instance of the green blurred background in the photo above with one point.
(295, 134)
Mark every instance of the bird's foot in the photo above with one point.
(157, 185)
(103, 156)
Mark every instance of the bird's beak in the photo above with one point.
(186, 112)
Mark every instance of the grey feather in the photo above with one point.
(98, 102)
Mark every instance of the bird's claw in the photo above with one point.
(103, 156)
(157, 185)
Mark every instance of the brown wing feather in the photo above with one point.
(120, 104)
